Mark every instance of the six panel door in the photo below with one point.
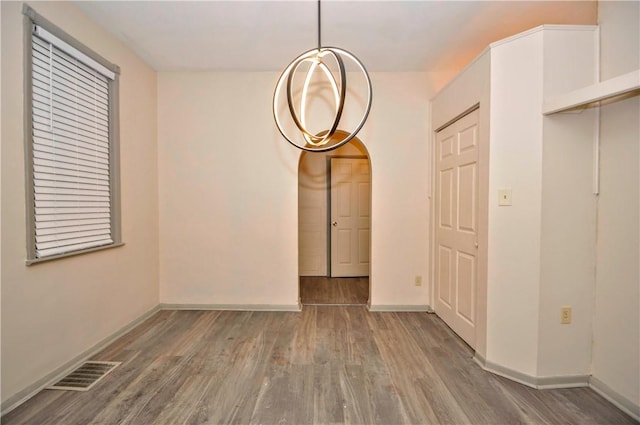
(350, 217)
(457, 225)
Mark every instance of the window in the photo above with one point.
(72, 145)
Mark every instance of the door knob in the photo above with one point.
(334, 223)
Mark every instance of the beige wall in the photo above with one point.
(54, 311)
(397, 140)
(228, 190)
(616, 346)
(228, 197)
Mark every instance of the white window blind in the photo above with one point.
(71, 154)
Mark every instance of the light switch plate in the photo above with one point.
(504, 197)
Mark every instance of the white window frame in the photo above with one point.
(33, 22)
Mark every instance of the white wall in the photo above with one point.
(514, 232)
(616, 347)
(54, 311)
(568, 245)
(541, 249)
(228, 190)
(568, 221)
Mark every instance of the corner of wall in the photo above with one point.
(616, 329)
(567, 239)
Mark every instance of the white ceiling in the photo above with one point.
(267, 35)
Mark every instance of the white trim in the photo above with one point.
(541, 28)
(516, 376)
(537, 382)
(421, 308)
(627, 406)
(232, 307)
(70, 50)
(60, 372)
(562, 381)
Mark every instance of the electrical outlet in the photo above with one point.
(565, 315)
(418, 280)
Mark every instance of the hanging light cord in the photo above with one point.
(319, 28)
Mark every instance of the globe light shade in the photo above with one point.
(293, 95)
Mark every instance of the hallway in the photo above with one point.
(321, 290)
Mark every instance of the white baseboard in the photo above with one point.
(400, 308)
(537, 382)
(568, 381)
(629, 407)
(562, 381)
(233, 307)
(24, 395)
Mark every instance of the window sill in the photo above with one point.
(31, 262)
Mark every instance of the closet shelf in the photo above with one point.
(603, 90)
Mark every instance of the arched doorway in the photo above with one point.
(334, 222)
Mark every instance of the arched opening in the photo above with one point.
(334, 225)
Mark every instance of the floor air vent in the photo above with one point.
(85, 377)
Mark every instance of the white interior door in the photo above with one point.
(456, 225)
(350, 216)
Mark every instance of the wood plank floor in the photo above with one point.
(317, 290)
(325, 365)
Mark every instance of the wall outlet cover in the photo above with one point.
(504, 197)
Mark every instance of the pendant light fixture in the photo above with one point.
(291, 120)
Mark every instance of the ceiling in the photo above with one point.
(435, 36)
